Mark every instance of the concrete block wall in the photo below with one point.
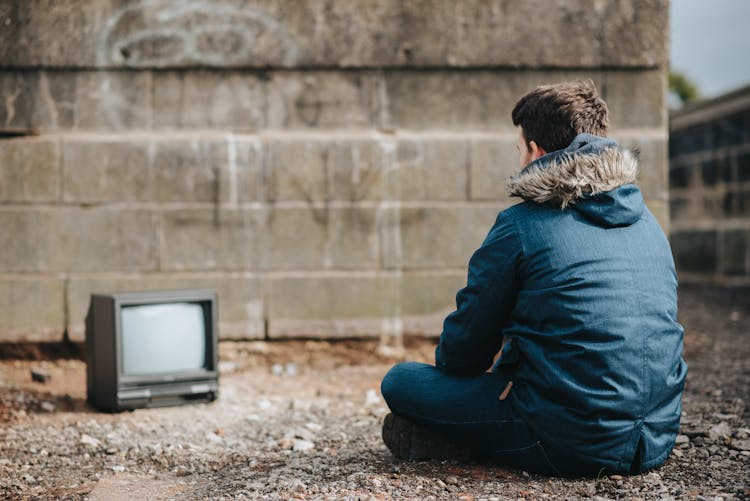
(327, 166)
(710, 186)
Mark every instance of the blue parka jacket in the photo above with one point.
(578, 286)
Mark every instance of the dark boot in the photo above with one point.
(406, 440)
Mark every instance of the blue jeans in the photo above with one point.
(466, 410)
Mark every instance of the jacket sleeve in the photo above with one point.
(472, 334)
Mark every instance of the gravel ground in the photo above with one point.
(302, 420)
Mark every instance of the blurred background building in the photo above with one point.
(709, 175)
(709, 147)
(327, 166)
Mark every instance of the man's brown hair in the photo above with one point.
(553, 115)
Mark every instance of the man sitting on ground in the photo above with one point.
(577, 285)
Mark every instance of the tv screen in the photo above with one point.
(149, 349)
(163, 338)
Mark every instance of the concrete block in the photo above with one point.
(322, 168)
(270, 33)
(189, 171)
(104, 240)
(16, 107)
(635, 98)
(320, 237)
(28, 240)
(202, 99)
(432, 167)
(36, 100)
(353, 240)
(107, 170)
(362, 305)
(431, 292)
(66, 99)
(427, 298)
(110, 168)
(241, 298)
(493, 161)
(389, 232)
(239, 159)
(32, 37)
(484, 99)
(296, 238)
(328, 306)
(452, 100)
(325, 99)
(440, 237)
(206, 239)
(32, 309)
(355, 171)
(29, 170)
(110, 100)
(653, 165)
(77, 239)
(499, 34)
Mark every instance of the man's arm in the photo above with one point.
(472, 334)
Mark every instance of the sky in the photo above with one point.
(711, 43)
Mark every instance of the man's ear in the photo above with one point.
(536, 150)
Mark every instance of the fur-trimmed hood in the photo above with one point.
(593, 175)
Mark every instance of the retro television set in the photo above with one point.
(151, 349)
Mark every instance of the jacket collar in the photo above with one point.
(590, 165)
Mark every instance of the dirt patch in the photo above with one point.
(301, 419)
(41, 351)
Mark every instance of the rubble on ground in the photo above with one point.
(313, 432)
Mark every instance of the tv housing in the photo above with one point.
(151, 349)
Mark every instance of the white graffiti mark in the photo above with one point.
(189, 33)
(164, 33)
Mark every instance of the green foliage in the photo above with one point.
(682, 87)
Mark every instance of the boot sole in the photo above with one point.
(406, 440)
